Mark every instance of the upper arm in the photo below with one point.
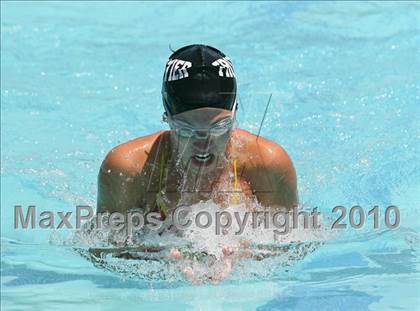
(118, 188)
(277, 181)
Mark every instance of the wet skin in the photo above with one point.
(130, 173)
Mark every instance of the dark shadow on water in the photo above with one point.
(305, 298)
(322, 292)
(27, 276)
(403, 262)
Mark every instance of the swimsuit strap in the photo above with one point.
(235, 184)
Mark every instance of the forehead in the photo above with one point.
(202, 116)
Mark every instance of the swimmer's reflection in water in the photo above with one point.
(203, 156)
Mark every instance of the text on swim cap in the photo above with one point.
(176, 69)
(225, 67)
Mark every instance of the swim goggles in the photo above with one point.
(218, 129)
(187, 131)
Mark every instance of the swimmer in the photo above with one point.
(204, 155)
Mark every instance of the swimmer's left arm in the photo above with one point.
(275, 181)
(284, 183)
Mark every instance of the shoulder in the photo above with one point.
(129, 158)
(268, 168)
(266, 153)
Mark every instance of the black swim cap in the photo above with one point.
(198, 76)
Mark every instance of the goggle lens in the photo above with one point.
(218, 129)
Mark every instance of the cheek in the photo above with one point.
(222, 140)
(219, 144)
(182, 144)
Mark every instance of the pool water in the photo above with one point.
(79, 78)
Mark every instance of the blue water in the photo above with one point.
(79, 78)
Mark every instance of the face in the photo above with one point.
(206, 148)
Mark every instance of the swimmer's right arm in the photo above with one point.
(118, 188)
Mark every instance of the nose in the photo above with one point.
(201, 134)
(202, 144)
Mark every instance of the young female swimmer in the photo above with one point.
(194, 160)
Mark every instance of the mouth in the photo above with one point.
(202, 159)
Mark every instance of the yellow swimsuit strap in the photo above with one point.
(235, 184)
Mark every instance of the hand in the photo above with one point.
(213, 270)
